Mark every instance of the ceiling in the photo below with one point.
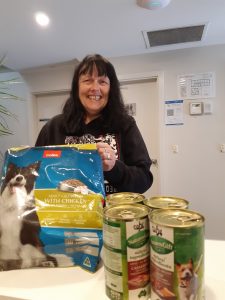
(112, 28)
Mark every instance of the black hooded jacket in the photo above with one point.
(131, 172)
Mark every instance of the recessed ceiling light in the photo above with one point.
(153, 4)
(42, 19)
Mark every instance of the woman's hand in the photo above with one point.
(107, 155)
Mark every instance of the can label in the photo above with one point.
(126, 259)
(177, 262)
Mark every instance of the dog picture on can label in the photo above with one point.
(187, 280)
(20, 245)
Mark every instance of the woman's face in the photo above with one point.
(93, 93)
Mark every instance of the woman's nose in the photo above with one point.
(95, 85)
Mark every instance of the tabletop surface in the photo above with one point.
(77, 284)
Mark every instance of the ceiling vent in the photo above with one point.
(174, 36)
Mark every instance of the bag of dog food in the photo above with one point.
(51, 207)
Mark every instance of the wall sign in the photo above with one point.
(174, 112)
(195, 86)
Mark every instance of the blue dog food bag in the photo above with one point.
(55, 195)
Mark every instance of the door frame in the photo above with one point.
(159, 76)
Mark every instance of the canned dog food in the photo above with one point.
(166, 202)
(124, 198)
(177, 254)
(126, 252)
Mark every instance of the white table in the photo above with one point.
(77, 284)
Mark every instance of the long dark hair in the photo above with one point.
(114, 113)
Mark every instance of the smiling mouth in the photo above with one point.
(95, 98)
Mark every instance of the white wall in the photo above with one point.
(55, 78)
(197, 171)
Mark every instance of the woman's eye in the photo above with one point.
(103, 82)
(86, 80)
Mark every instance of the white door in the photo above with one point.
(49, 105)
(145, 99)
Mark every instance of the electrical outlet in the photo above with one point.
(222, 148)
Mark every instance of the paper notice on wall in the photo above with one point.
(195, 86)
(174, 112)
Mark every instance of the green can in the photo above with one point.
(126, 252)
(124, 198)
(176, 254)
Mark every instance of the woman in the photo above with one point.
(95, 113)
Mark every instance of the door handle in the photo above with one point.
(155, 162)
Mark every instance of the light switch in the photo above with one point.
(207, 108)
(175, 148)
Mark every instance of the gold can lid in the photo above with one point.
(125, 197)
(166, 202)
(176, 218)
(126, 212)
